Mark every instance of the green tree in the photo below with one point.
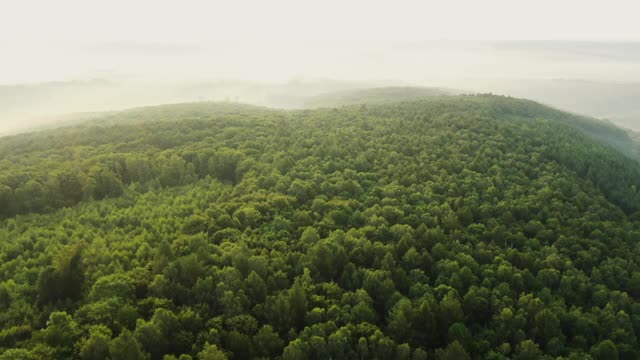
(606, 349)
(211, 352)
(125, 347)
(455, 351)
(61, 332)
(97, 345)
(297, 301)
(528, 350)
(400, 321)
(267, 342)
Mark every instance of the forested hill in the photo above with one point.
(603, 131)
(467, 227)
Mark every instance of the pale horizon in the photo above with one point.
(269, 40)
(85, 56)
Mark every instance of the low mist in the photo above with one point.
(69, 57)
(599, 79)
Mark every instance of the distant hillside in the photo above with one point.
(604, 131)
(614, 101)
(26, 107)
(380, 95)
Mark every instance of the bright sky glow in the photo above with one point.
(87, 21)
(75, 39)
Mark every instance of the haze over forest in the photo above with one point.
(600, 79)
(292, 180)
(77, 57)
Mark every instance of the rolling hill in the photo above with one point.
(605, 132)
(446, 227)
(614, 101)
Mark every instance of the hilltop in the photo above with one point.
(601, 130)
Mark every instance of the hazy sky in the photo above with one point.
(28, 21)
(65, 39)
(147, 52)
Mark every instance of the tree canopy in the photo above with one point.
(468, 227)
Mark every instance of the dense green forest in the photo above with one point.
(603, 131)
(457, 227)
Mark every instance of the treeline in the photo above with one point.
(43, 172)
(435, 229)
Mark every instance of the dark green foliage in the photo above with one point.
(125, 347)
(96, 346)
(449, 228)
(455, 351)
(64, 279)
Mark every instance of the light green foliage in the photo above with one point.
(112, 286)
(61, 332)
(18, 354)
(211, 352)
